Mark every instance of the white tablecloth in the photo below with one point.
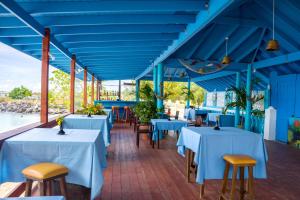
(82, 151)
(211, 145)
(95, 122)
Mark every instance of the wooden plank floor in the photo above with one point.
(147, 173)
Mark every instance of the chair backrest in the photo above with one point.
(199, 121)
(177, 114)
(169, 111)
(226, 120)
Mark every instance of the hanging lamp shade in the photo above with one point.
(226, 60)
(273, 45)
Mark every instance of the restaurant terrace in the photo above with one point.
(243, 141)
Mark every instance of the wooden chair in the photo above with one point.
(45, 174)
(126, 113)
(238, 162)
(143, 128)
(169, 112)
(177, 115)
(131, 118)
(116, 112)
(197, 123)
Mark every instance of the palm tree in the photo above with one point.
(240, 100)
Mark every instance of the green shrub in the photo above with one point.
(92, 109)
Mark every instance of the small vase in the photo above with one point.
(217, 128)
(61, 130)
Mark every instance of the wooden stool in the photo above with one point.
(126, 113)
(116, 111)
(238, 162)
(143, 128)
(45, 174)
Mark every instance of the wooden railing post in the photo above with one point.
(85, 87)
(93, 90)
(72, 84)
(45, 77)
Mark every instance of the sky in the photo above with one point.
(17, 68)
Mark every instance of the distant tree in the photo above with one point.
(177, 91)
(20, 93)
(60, 88)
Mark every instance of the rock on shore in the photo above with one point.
(25, 107)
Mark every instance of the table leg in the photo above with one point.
(202, 190)
(158, 139)
(242, 184)
(188, 164)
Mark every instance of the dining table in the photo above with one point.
(160, 125)
(94, 122)
(110, 115)
(83, 152)
(209, 147)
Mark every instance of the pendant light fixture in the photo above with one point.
(273, 44)
(226, 60)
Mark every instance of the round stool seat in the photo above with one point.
(239, 162)
(239, 159)
(44, 171)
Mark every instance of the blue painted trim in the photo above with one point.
(237, 109)
(279, 60)
(248, 93)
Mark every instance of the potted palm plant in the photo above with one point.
(146, 110)
(240, 100)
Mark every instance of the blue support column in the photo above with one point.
(205, 99)
(155, 80)
(160, 85)
(267, 97)
(248, 93)
(137, 90)
(189, 93)
(237, 109)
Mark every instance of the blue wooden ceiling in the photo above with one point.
(124, 39)
(112, 39)
(248, 24)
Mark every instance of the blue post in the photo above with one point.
(248, 93)
(137, 90)
(237, 109)
(189, 93)
(205, 99)
(155, 79)
(267, 97)
(160, 86)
